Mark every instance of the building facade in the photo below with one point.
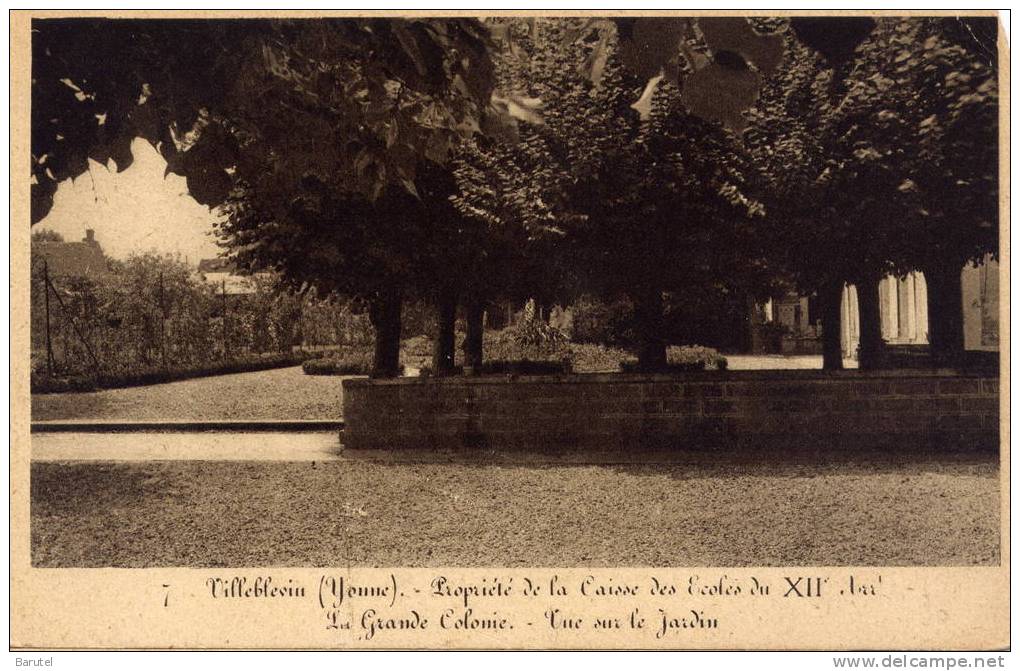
(903, 305)
(792, 324)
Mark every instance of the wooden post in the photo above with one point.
(74, 325)
(46, 300)
(226, 339)
(162, 321)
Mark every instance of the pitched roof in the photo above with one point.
(72, 259)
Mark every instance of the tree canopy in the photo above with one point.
(883, 158)
(455, 157)
(379, 93)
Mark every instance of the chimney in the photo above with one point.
(90, 236)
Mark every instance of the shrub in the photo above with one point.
(113, 379)
(600, 322)
(592, 358)
(527, 344)
(527, 367)
(686, 358)
(349, 361)
(416, 352)
(532, 334)
(418, 346)
(524, 367)
(151, 315)
(696, 357)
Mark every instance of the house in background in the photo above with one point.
(83, 259)
(787, 325)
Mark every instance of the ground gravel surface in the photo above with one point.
(363, 512)
(280, 393)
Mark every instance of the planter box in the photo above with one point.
(898, 410)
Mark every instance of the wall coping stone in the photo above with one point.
(778, 375)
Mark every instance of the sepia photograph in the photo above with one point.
(478, 290)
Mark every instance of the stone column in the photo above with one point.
(890, 301)
(920, 308)
(908, 309)
(850, 324)
(844, 321)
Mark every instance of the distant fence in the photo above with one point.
(772, 410)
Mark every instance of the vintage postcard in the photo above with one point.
(509, 330)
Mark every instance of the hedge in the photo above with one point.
(43, 384)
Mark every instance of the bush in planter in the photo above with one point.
(534, 334)
(530, 339)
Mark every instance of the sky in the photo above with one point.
(135, 211)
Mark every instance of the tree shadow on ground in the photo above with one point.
(692, 463)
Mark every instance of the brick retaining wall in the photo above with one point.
(769, 409)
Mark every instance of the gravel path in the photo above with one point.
(780, 362)
(361, 512)
(205, 446)
(281, 393)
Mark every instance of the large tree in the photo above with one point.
(827, 224)
(880, 152)
(924, 94)
(310, 133)
(611, 167)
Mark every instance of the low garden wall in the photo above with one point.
(711, 410)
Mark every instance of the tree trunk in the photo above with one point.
(445, 342)
(384, 313)
(831, 298)
(872, 345)
(945, 313)
(475, 310)
(648, 317)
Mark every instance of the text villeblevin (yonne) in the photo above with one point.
(364, 611)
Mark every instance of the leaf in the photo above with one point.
(518, 107)
(392, 132)
(595, 65)
(410, 187)
(649, 46)
(644, 104)
(734, 35)
(410, 46)
(721, 94)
